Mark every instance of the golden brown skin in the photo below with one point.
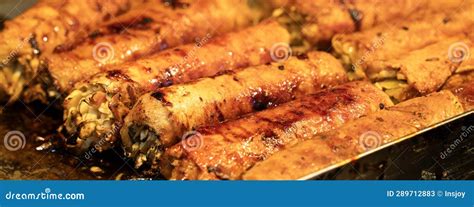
(53, 22)
(426, 70)
(147, 31)
(38, 31)
(462, 85)
(123, 84)
(356, 137)
(363, 51)
(172, 111)
(228, 150)
(459, 79)
(323, 19)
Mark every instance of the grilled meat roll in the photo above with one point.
(35, 33)
(96, 108)
(462, 85)
(459, 79)
(142, 32)
(356, 137)
(364, 50)
(318, 21)
(228, 150)
(159, 119)
(423, 71)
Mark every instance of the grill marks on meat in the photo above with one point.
(232, 147)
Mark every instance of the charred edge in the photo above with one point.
(217, 171)
(161, 97)
(220, 115)
(179, 52)
(175, 4)
(302, 56)
(34, 44)
(63, 48)
(271, 140)
(95, 34)
(260, 101)
(117, 75)
(356, 16)
(141, 23)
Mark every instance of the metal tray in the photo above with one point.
(420, 155)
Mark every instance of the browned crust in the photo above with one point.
(385, 42)
(427, 69)
(358, 136)
(229, 149)
(212, 100)
(324, 19)
(146, 31)
(54, 22)
(125, 83)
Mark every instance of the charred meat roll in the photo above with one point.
(160, 119)
(423, 71)
(228, 150)
(363, 51)
(462, 85)
(96, 108)
(316, 22)
(151, 28)
(356, 137)
(35, 33)
(458, 79)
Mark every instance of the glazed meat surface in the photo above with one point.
(146, 31)
(358, 136)
(114, 92)
(226, 151)
(168, 113)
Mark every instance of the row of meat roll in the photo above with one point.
(99, 105)
(36, 33)
(93, 122)
(228, 150)
(190, 93)
(47, 49)
(349, 141)
(67, 50)
(167, 114)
